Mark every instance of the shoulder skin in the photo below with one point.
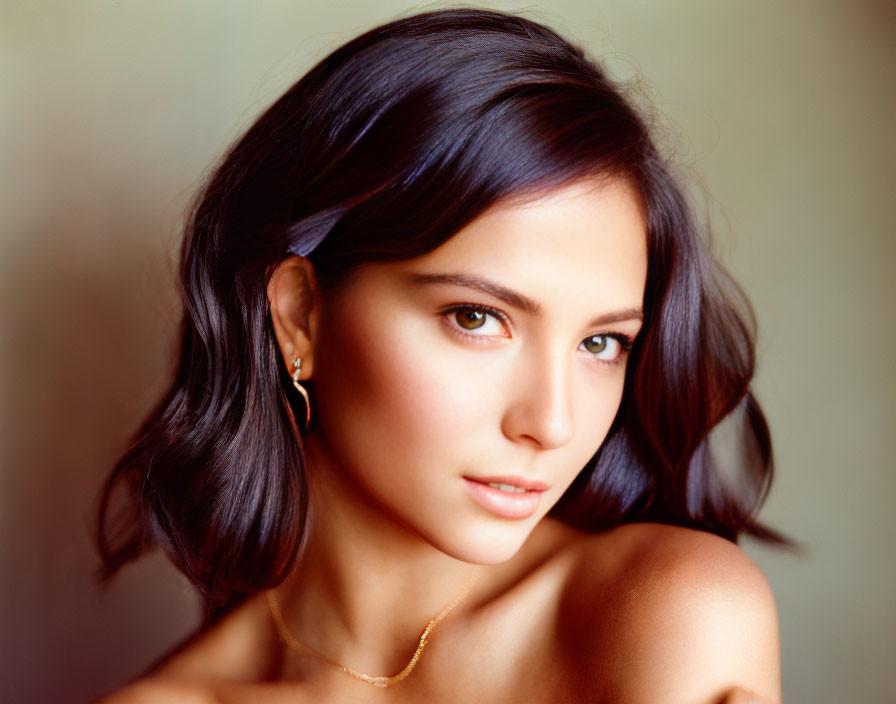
(159, 691)
(669, 614)
(232, 650)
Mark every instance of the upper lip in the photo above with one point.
(523, 482)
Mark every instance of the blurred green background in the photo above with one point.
(111, 113)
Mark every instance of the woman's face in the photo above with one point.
(463, 391)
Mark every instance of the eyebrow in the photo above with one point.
(515, 299)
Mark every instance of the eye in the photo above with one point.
(476, 321)
(607, 348)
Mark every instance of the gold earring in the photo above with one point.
(296, 375)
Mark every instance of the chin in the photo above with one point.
(490, 545)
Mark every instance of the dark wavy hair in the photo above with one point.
(383, 151)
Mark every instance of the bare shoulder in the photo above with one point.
(154, 690)
(684, 559)
(232, 651)
(690, 616)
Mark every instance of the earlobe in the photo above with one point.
(293, 299)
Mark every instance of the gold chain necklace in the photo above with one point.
(377, 681)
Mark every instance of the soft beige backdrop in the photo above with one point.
(110, 112)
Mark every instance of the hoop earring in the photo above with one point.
(297, 365)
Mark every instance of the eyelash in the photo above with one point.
(626, 342)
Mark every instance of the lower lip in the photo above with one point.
(506, 504)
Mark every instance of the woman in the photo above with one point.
(451, 356)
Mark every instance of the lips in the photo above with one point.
(512, 480)
(506, 496)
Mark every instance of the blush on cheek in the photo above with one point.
(349, 370)
(415, 389)
(368, 386)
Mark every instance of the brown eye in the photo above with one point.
(596, 343)
(470, 318)
(606, 348)
(476, 321)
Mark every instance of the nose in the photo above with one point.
(540, 405)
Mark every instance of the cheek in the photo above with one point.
(596, 408)
(386, 393)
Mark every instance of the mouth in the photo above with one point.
(506, 497)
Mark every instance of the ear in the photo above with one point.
(295, 306)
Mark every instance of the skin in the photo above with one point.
(422, 379)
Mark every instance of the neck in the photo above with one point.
(367, 584)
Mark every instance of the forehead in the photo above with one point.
(587, 239)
